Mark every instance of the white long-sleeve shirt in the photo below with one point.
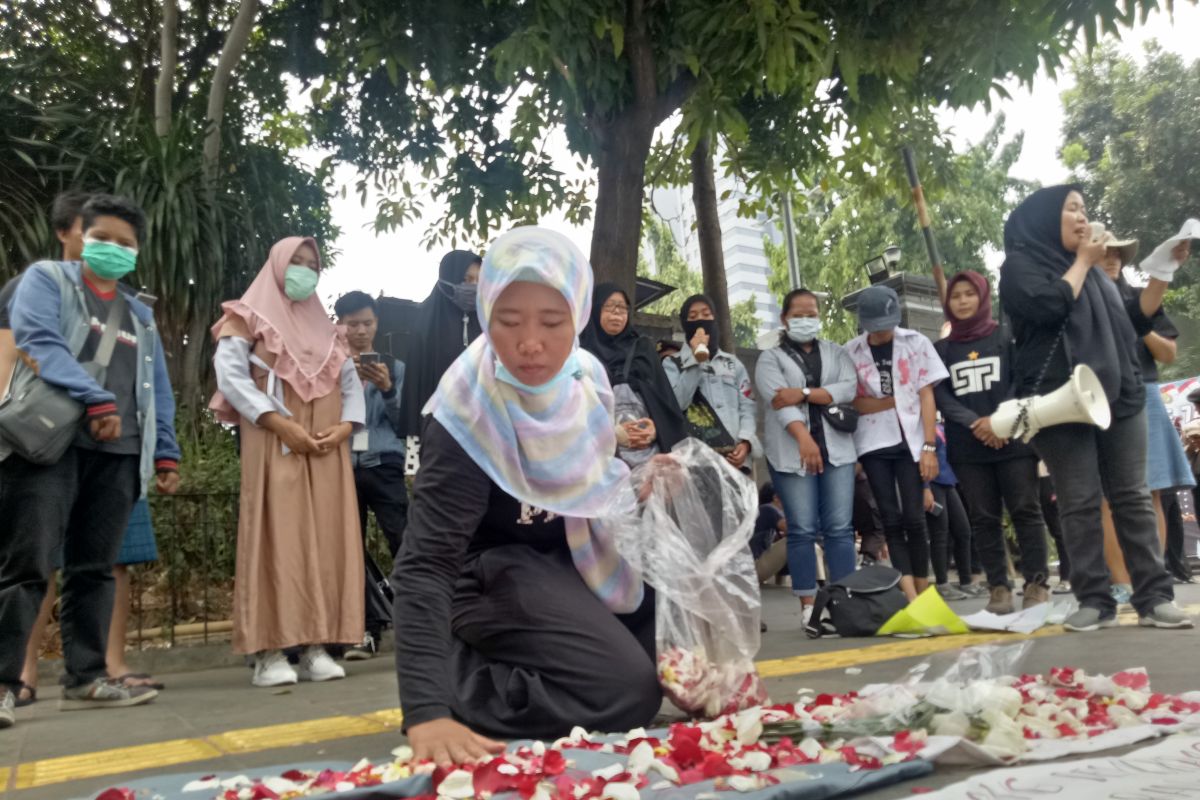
(232, 364)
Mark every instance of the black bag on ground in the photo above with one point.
(859, 604)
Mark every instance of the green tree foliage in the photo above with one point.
(76, 94)
(1130, 137)
(671, 268)
(853, 221)
(465, 94)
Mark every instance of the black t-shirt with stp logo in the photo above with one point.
(121, 376)
(980, 380)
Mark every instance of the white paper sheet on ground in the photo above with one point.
(956, 751)
(1025, 621)
(1161, 257)
(1170, 769)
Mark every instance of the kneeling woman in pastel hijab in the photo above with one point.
(512, 606)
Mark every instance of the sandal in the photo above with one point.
(139, 679)
(21, 699)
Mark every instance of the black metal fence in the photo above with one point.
(188, 592)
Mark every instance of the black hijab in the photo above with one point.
(1098, 331)
(437, 339)
(645, 371)
(709, 325)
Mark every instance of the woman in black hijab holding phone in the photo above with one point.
(647, 416)
(1065, 312)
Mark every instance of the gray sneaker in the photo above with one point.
(104, 693)
(1165, 615)
(1090, 619)
(948, 592)
(8, 709)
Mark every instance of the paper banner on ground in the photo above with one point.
(928, 615)
(1026, 620)
(1161, 259)
(1170, 769)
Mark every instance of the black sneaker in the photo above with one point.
(104, 693)
(364, 651)
(8, 709)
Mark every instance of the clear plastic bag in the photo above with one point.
(691, 544)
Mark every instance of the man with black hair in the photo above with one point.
(66, 219)
(82, 502)
(377, 451)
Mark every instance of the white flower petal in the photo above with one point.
(402, 753)
(458, 785)
(202, 784)
(640, 758)
(620, 791)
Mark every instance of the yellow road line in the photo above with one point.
(908, 648)
(4, 773)
(125, 760)
(118, 761)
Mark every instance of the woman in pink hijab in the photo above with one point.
(286, 379)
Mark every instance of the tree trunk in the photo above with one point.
(194, 370)
(617, 228)
(708, 234)
(169, 54)
(231, 54)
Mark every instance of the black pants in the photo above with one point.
(990, 488)
(949, 531)
(867, 522)
(1086, 464)
(1177, 563)
(536, 652)
(81, 505)
(381, 489)
(1049, 502)
(899, 493)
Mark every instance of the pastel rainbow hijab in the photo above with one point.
(553, 449)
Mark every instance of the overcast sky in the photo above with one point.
(397, 263)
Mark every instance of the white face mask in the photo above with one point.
(803, 329)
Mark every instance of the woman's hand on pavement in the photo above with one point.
(447, 743)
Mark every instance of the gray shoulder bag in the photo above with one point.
(38, 420)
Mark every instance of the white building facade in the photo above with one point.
(746, 265)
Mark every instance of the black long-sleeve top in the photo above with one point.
(456, 512)
(981, 378)
(1039, 303)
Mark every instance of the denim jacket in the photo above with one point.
(725, 383)
(50, 322)
(383, 420)
(777, 370)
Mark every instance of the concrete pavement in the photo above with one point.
(215, 721)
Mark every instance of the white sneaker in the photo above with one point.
(805, 615)
(271, 668)
(317, 666)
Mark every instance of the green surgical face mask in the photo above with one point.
(299, 282)
(109, 261)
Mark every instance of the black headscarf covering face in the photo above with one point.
(709, 326)
(631, 358)
(1098, 324)
(437, 339)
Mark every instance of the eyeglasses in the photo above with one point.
(620, 309)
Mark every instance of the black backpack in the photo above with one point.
(858, 604)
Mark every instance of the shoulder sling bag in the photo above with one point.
(39, 420)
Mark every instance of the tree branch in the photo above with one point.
(675, 96)
(168, 58)
(231, 53)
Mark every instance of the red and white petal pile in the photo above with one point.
(1004, 716)
(696, 685)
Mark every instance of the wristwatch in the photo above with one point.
(806, 392)
(929, 448)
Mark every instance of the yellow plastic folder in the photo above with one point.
(928, 615)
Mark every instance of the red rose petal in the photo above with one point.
(554, 763)
(116, 793)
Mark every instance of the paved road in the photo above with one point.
(214, 721)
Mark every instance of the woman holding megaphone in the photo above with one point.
(1066, 312)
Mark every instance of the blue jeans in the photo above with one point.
(818, 507)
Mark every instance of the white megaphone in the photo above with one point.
(1081, 399)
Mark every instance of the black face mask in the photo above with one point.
(461, 294)
(709, 326)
